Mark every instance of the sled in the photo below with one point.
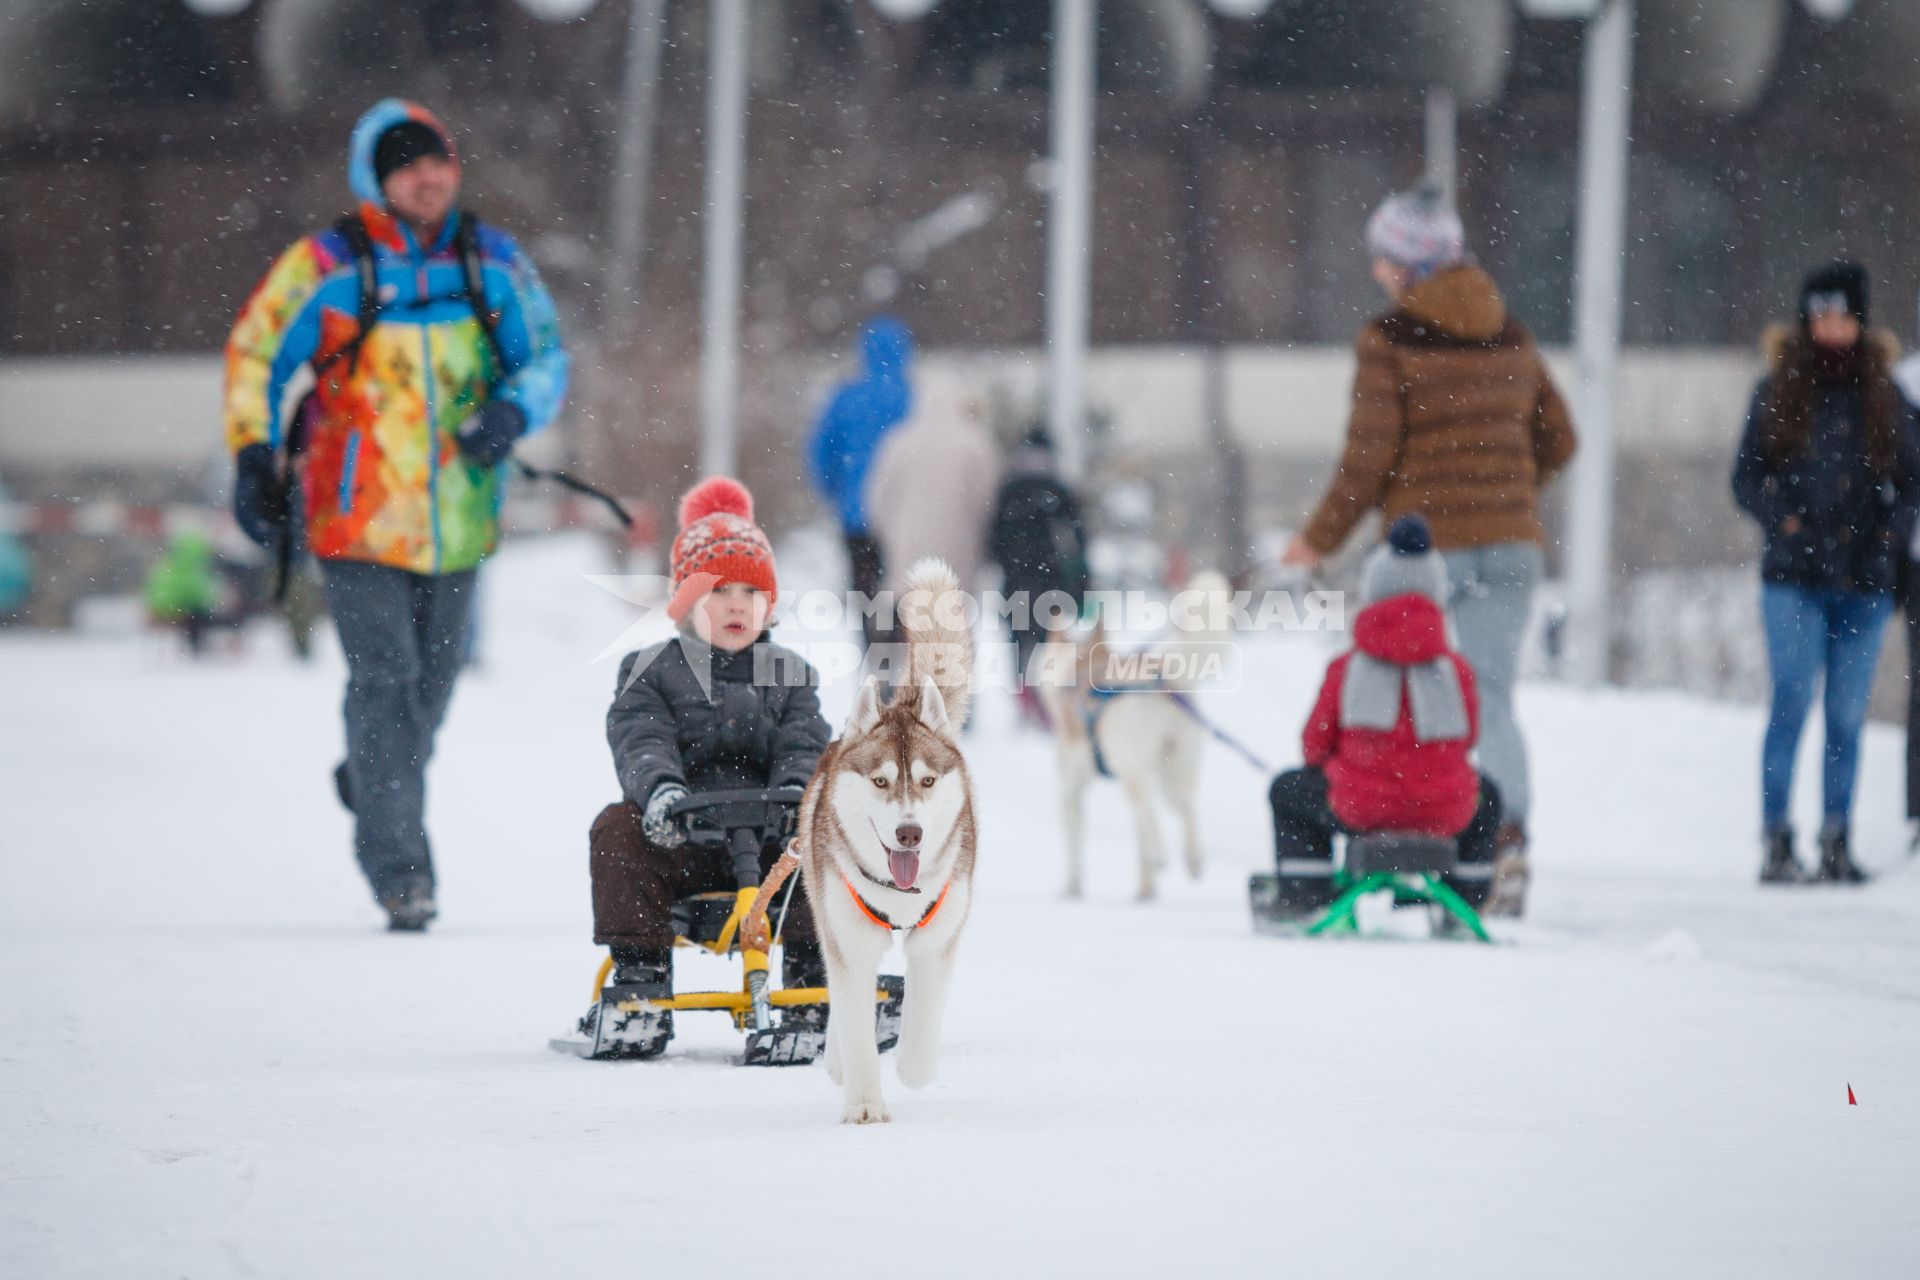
(1408, 865)
(636, 1022)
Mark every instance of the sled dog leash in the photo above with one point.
(754, 934)
(1185, 703)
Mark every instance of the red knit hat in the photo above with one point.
(718, 543)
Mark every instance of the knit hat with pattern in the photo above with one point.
(1417, 230)
(718, 543)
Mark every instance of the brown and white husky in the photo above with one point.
(886, 841)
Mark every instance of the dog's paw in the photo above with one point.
(874, 1112)
(1072, 892)
(917, 1070)
(834, 1071)
(1146, 894)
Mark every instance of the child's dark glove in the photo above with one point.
(660, 829)
(489, 435)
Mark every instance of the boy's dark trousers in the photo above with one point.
(1304, 826)
(636, 882)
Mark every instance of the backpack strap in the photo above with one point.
(466, 243)
(349, 227)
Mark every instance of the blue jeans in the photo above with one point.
(1489, 595)
(1813, 632)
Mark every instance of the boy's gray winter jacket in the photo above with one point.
(665, 728)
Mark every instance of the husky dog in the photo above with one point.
(1139, 736)
(886, 841)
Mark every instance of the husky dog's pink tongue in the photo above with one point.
(905, 867)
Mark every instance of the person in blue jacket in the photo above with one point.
(848, 434)
(1829, 468)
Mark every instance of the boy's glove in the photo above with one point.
(488, 436)
(260, 505)
(658, 828)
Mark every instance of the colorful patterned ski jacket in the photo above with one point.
(383, 479)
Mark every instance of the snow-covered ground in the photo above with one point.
(213, 1062)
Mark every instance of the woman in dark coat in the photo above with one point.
(1828, 467)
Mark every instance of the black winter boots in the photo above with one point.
(1777, 863)
(1836, 860)
(1779, 866)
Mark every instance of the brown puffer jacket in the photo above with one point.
(1454, 416)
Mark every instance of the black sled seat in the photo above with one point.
(1399, 853)
(1411, 865)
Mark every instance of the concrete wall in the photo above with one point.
(157, 413)
(149, 413)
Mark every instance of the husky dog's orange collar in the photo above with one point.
(881, 920)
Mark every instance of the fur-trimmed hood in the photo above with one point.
(1780, 338)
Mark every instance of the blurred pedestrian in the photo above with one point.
(1829, 469)
(434, 348)
(1906, 376)
(16, 565)
(1038, 540)
(930, 490)
(847, 435)
(183, 589)
(1455, 417)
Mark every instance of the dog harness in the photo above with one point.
(1096, 702)
(881, 920)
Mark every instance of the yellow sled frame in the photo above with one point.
(737, 1003)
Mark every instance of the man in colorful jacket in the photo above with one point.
(402, 443)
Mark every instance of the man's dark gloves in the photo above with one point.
(260, 503)
(489, 435)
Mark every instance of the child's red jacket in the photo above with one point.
(1379, 781)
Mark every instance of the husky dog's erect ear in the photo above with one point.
(933, 707)
(866, 709)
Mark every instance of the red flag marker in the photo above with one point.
(1850, 1098)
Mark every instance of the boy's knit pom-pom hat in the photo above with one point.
(1405, 564)
(716, 495)
(718, 543)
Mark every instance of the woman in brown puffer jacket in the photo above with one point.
(1454, 417)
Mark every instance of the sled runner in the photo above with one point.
(637, 1021)
(1410, 866)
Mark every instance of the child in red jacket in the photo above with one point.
(1388, 742)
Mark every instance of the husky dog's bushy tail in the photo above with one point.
(933, 620)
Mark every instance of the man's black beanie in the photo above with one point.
(404, 143)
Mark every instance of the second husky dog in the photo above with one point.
(886, 841)
(1139, 735)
